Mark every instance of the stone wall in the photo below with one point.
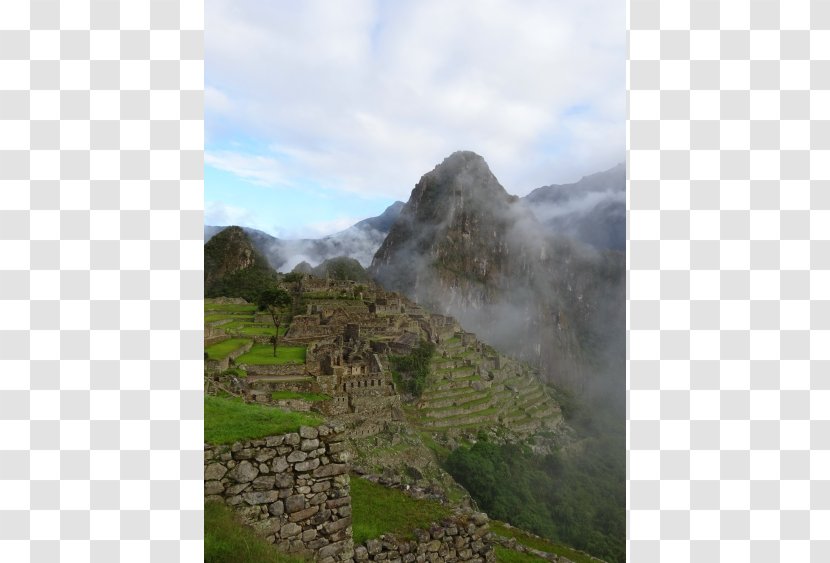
(461, 538)
(292, 489)
(273, 370)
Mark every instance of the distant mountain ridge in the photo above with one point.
(591, 210)
(360, 242)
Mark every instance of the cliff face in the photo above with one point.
(464, 246)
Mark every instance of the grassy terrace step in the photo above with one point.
(380, 510)
(455, 384)
(462, 374)
(263, 355)
(232, 307)
(530, 399)
(252, 329)
(222, 350)
(467, 420)
(528, 540)
(231, 420)
(442, 363)
(450, 411)
(432, 393)
(453, 400)
(222, 317)
(518, 417)
(518, 385)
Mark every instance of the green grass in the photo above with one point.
(536, 543)
(263, 354)
(221, 350)
(230, 420)
(252, 329)
(218, 317)
(379, 510)
(313, 397)
(230, 307)
(441, 452)
(228, 541)
(238, 372)
(504, 555)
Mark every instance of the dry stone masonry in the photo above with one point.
(460, 538)
(292, 489)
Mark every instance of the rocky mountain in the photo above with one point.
(360, 242)
(464, 246)
(341, 268)
(591, 210)
(233, 266)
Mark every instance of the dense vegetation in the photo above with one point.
(227, 275)
(380, 510)
(410, 372)
(576, 497)
(229, 420)
(247, 284)
(227, 541)
(341, 268)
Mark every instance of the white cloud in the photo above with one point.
(261, 170)
(366, 96)
(222, 214)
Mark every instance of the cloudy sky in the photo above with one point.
(322, 113)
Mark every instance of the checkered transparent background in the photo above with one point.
(101, 199)
(100, 271)
(729, 296)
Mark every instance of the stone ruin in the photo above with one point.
(294, 490)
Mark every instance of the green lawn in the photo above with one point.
(251, 329)
(536, 543)
(263, 354)
(504, 555)
(218, 317)
(220, 350)
(230, 307)
(313, 397)
(227, 541)
(379, 510)
(229, 420)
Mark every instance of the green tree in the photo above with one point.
(273, 300)
(297, 279)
